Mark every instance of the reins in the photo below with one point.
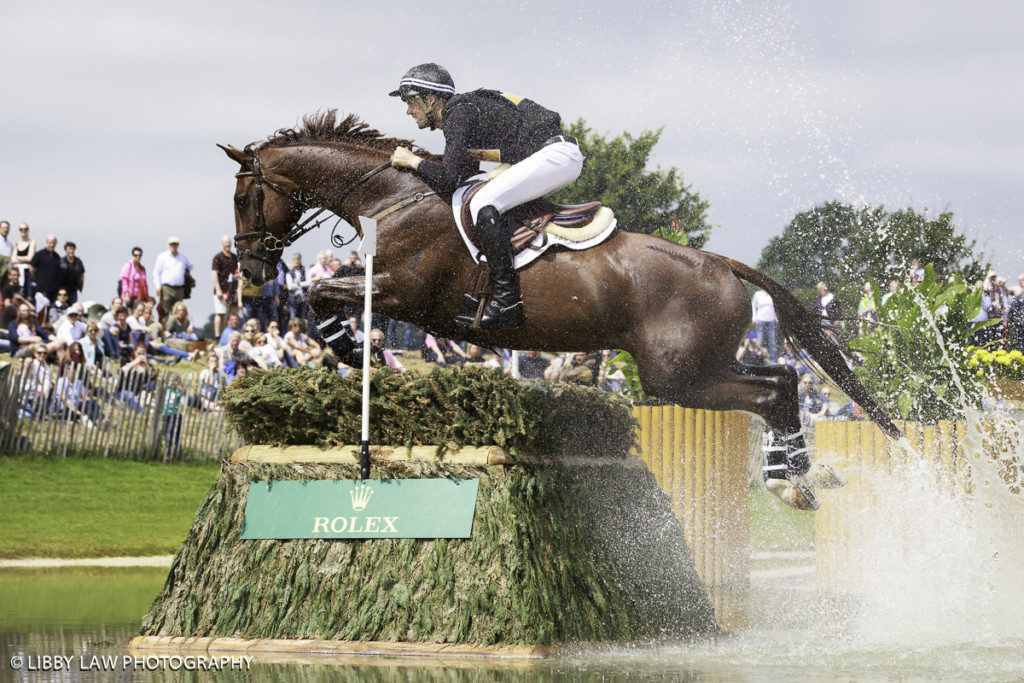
(265, 243)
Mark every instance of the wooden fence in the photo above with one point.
(84, 410)
(700, 458)
(948, 451)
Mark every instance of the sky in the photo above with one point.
(110, 111)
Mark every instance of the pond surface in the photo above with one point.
(796, 634)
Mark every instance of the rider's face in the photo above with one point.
(417, 109)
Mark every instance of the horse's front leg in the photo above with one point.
(328, 299)
(329, 296)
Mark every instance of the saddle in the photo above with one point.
(570, 222)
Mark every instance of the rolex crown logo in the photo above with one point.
(360, 497)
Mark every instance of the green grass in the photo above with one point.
(776, 526)
(71, 507)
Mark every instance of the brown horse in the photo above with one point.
(680, 312)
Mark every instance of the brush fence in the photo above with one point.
(975, 461)
(700, 458)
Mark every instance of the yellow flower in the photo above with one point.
(1016, 354)
(1003, 360)
(980, 373)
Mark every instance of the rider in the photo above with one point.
(488, 125)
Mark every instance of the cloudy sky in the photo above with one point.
(110, 111)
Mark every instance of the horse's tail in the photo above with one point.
(796, 320)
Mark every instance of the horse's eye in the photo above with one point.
(242, 201)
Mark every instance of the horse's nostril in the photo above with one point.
(246, 273)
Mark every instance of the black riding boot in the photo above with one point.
(505, 309)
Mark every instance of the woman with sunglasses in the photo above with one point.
(24, 250)
(132, 285)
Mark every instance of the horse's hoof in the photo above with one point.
(797, 496)
(821, 476)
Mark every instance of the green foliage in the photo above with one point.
(644, 201)
(557, 555)
(846, 246)
(916, 362)
(461, 406)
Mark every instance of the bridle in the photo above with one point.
(265, 243)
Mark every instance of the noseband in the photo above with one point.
(266, 243)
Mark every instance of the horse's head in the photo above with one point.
(267, 205)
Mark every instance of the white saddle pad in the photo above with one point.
(535, 248)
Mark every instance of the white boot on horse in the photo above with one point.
(788, 472)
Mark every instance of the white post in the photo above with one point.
(368, 248)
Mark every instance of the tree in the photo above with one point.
(643, 201)
(846, 246)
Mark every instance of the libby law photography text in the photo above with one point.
(129, 663)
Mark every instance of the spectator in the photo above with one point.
(810, 399)
(610, 377)
(532, 365)
(174, 395)
(297, 286)
(6, 250)
(276, 342)
(766, 323)
(320, 269)
(270, 298)
(233, 326)
(229, 355)
(73, 272)
(72, 393)
(867, 312)
(225, 282)
(916, 272)
(25, 331)
(92, 345)
(250, 299)
(380, 355)
(132, 286)
(581, 370)
(11, 285)
(827, 307)
(303, 349)
(117, 340)
(263, 354)
(352, 266)
(435, 349)
(894, 286)
(172, 272)
(24, 252)
(750, 353)
(58, 307)
(36, 382)
(46, 273)
(136, 378)
(107, 319)
(71, 329)
(210, 381)
(178, 325)
(249, 331)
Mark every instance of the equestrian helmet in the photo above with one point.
(425, 78)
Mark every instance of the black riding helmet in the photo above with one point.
(423, 79)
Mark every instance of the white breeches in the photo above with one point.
(547, 170)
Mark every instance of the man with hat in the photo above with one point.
(72, 327)
(170, 271)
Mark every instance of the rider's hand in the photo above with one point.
(404, 158)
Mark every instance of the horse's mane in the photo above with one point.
(324, 127)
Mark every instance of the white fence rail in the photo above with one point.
(81, 410)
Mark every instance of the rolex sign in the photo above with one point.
(368, 508)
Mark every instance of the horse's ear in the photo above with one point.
(237, 155)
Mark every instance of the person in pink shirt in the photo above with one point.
(133, 278)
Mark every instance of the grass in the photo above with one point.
(775, 526)
(71, 507)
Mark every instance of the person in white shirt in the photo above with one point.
(766, 324)
(6, 248)
(170, 270)
(320, 269)
(71, 328)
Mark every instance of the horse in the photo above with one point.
(679, 311)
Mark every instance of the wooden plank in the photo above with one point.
(482, 455)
